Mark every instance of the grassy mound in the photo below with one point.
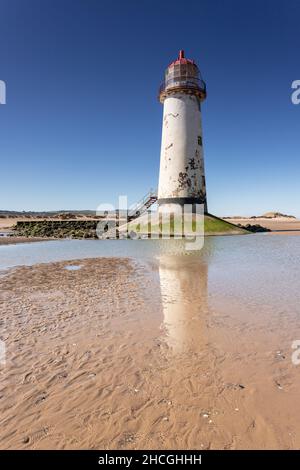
(212, 226)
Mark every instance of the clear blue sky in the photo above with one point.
(82, 123)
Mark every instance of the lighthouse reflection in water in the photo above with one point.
(183, 288)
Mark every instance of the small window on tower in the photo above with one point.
(199, 140)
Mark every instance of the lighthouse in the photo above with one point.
(181, 174)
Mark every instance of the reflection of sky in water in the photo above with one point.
(72, 267)
(60, 250)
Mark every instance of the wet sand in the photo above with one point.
(14, 240)
(119, 354)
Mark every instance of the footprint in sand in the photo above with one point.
(41, 398)
(28, 378)
(37, 435)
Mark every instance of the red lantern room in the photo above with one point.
(182, 75)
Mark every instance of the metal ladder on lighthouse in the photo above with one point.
(142, 205)
(135, 211)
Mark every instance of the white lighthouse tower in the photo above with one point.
(181, 175)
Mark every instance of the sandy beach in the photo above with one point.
(123, 355)
(280, 225)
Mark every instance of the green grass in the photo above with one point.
(212, 225)
(215, 225)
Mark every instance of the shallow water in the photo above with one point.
(255, 268)
(72, 267)
(28, 254)
(252, 248)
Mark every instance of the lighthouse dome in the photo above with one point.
(181, 60)
(183, 75)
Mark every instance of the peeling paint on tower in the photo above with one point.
(181, 177)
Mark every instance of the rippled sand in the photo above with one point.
(119, 354)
